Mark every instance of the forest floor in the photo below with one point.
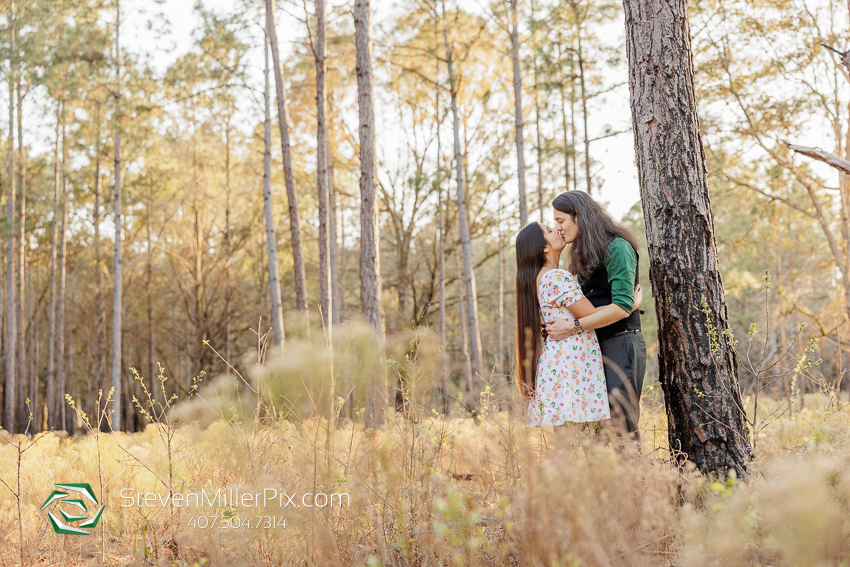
(434, 491)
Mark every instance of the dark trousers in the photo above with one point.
(624, 361)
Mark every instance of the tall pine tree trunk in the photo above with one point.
(336, 290)
(228, 247)
(336, 298)
(50, 401)
(10, 403)
(445, 368)
(520, 156)
(475, 379)
(500, 355)
(569, 150)
(153, 383)
(537, 116)
(370, 259)
(20, 300)
(581, 78)
(117, 286)
(99, 308)
(442, 202)
(464, 325)
(271, 238)
(289, 177)
(59, 349)
(32, 357)
(70, 421)
(322, 167)
(705, 417)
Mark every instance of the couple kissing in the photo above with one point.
(580, 352)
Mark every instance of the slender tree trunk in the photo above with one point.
(336, 293)
(573, 144)
(99, 308)
(568, 148)
(152, 373)
(50, 402)
(23, 379)
(537, 116)
(11, 386)
(465, 239)
(32, 342)
(126, 394)
(117, 294)
(580, 57)
(520, 155)
(271, 238)
(464, 325)
(705, 416)
(70, 422)
(442, 202)
(370, 259)
(444, 352)
(340, 227)
(322, 168)
(59, 403)
(228, 245)
(500, 356)
(332, 222)
(198, 291)
(289, 177)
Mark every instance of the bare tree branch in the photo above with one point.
(833, 160)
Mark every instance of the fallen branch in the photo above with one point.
(820, 155)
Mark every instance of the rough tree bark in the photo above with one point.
(520, 156)
(705, 419)
(271, 238)
(117, 288)
(288, 176)
(475, 378)
(370, 260)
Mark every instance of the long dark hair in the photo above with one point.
(530, 258)
(596, 230)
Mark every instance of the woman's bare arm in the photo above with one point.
(590, 317)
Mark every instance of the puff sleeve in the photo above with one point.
(559, 288)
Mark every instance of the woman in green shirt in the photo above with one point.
(603, 255)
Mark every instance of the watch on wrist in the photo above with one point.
(578, 326)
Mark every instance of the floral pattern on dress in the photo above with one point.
(570, 382)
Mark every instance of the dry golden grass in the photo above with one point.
(435, 490)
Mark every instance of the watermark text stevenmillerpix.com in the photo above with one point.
(234, 498)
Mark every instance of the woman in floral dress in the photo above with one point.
(563, 380)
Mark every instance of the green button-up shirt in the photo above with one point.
(621, 264)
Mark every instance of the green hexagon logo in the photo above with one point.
(68, 499)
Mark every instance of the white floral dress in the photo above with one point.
(570, 383)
